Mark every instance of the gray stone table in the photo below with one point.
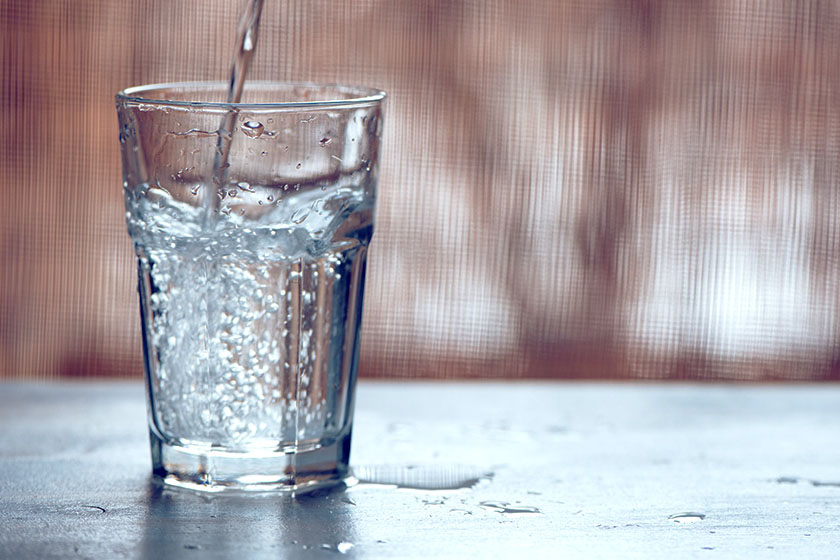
(450, 470)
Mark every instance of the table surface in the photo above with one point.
(450, 470)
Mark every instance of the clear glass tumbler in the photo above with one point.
(251, 224)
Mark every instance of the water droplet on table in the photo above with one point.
(511, 511)
(687, 517)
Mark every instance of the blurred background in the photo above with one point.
(569, 189)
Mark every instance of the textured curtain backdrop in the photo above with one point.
(570, 189)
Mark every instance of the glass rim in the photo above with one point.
(359, 96)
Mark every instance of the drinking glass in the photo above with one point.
(251, 224)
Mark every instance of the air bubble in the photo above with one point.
(252, 129)
(300, 215)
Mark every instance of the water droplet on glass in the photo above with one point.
(324, 141)
(194, 190)
(245, 186)
(344, 547)
(687, 517)
(298, 165)
(252, 129)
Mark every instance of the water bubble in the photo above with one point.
(252, 129)
(687, 517)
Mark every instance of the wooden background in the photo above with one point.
(569, 188)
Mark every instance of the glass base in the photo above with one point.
(215, 470)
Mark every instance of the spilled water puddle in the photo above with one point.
(420, 478)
